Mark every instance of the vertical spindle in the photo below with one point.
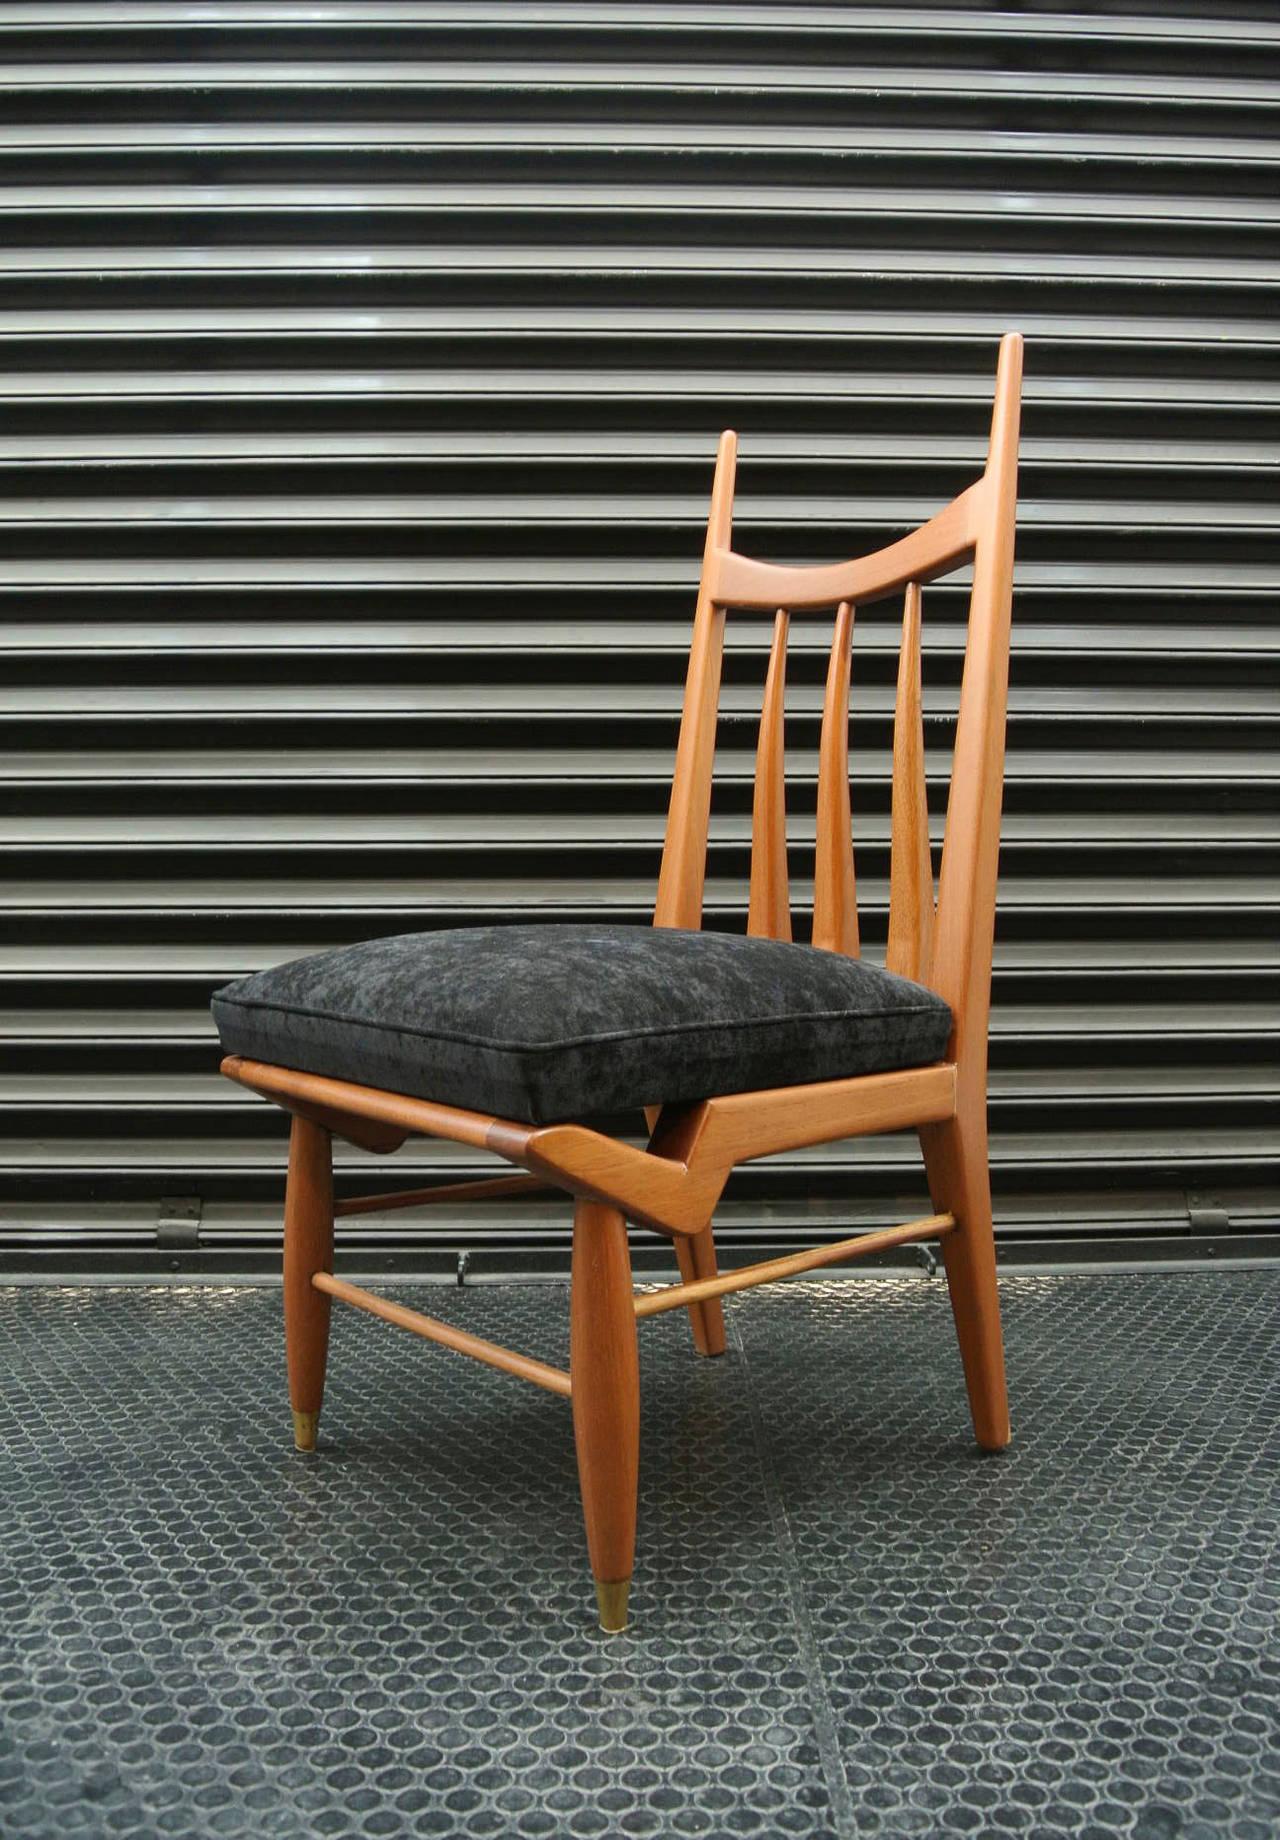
(769, 915)
(835, 904)
(911, 860)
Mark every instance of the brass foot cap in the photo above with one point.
(611, 1596)
(305, 1426)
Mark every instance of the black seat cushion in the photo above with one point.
(545, 1023)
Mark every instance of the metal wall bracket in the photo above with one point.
(927, 1260)
(1206, 1214)
(178, 1223)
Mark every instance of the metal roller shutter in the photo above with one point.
(362, 371)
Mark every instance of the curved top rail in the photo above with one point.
(933, 549)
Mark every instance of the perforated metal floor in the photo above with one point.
(845, 1621)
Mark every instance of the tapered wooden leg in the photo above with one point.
(308, 1248)
(955, 1155)
(696, 1255)
(605, 1371)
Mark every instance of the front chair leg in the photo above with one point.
(955, 1157)
(605, 1372)
(308, 1248)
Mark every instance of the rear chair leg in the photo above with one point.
(308, 1248)
(696, 1253)
(605, 1372)
(955, 1157)
(696, 1256)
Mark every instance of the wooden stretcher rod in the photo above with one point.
(676, 1296)
(554, 1379)
(476, 1188)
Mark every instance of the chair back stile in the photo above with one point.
(947, 946)
(684, 854)
(965, 929)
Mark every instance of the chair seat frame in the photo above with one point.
(675, 1182)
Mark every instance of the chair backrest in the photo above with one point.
(946, 945)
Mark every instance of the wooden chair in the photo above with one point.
(674, 1184)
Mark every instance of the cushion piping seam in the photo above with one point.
(578, 1041)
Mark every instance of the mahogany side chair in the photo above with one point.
(513, 1039)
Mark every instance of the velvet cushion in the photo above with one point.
(548, 1022)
